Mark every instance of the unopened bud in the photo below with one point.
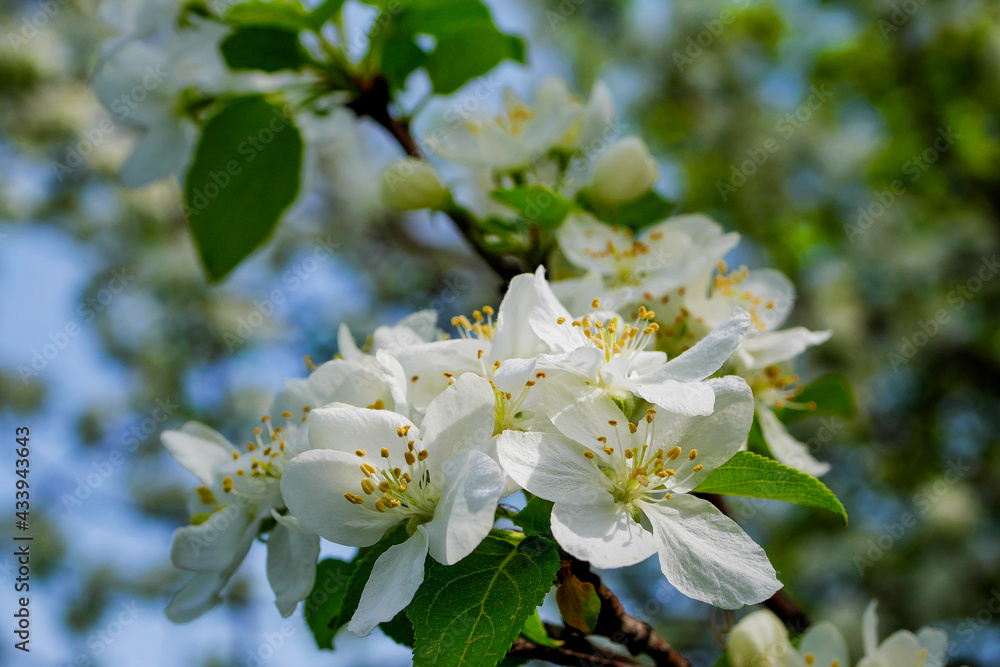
(625, 172)
(409, 184)
(759, 640)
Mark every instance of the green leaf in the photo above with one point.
(534, 631)
(326, 10)
(536, 203)
(245, 173)
(326, 599)
(534, 518)
(265, 48)
(644, 211)
(469, 614)
(831, 393)
(753, 476)
(467, 43)
(723, 661)
(399, 629)
(287, 14)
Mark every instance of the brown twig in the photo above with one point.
(563, 655)
(373, 102)
(617, 625)
(793, 616)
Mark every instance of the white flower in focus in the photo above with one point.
(624, 172)
(624, 268)
(239, 490)
(521, 133)
(372, 470)
(410, 184)
(621, 489)
(610, 352)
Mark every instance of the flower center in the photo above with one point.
(406, 488)
(480, 327)
(728, 285)
(637, 469)
(778, 388)
(605, 335)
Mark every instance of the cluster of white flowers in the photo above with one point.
(760, 640)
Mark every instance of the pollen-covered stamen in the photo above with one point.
(393, 485)
(777, 387)
(624, 258)
(606, 336)
(480, 327)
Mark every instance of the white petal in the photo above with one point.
(581, 411)
(395, 381)
(584, 240)
(545, 315)
(582, 361)
(682, 398)
(716, 437)
(761, 640)
(589, 524)
(313, 487)
(513, 336)
(786, 449)
(869, 627)
(394, 580)
(899, 648)
(201, 450)
(198, 595)
(350, 382)
(706, 556)
(473, 484)
(548, 466)
(826, 644)
(164, 150)
(429, 362)
(460, 418)
(347, 429)
(291, 566)
(708, 355)
(347, 347)
(218, 544)
(772, 347)
(512, 374)
(935, 641)
(772, 287)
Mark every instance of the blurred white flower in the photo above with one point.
(410, 184)
(624, 172)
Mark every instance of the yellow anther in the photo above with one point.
(477, 316)
(628, 453)
(602, 439)
(422, 456)
(693, 454)
(632, 427)
(561, 320)
(286, 415)
(236, 456)
(402, 431)
(265, 418)
(385, 453)
(367, 486)
(540, 375)
(608, 450)
(588, 454)
(596, 303)
(239, 472)
(356, 500)
(612, 422)
(256, 430)
(810, 659)
(414, 378)
(379, 404)
(360, 452)
(529, 383)
(368, 469)
(448, 375)
(488, 310)
(410, 458)
(205, 495)
(379, 505)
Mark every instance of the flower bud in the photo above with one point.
(760, 640)
(409, 184)
(625, 172)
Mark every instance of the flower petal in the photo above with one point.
(772, 347)
(218, 544)
(545, 315)
(460, 418)
(707, 556)
(394, 580)
(935, 641)
(198, 595)
(582, 411)
(348, 429)
(786, 449)
(203, 451)
(513, 336)
(313, 487)
(711, 440)
(548, 466)
(473, 484)
(708, 355)
(826, 645)
(350, 382)
(589, 524)
(291, 566)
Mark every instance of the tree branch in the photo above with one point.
(617, 625)
(566, 656)
(373, 102)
